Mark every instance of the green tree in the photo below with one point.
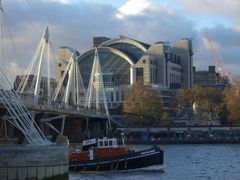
(143, 103)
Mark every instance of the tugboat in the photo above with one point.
(105, 155)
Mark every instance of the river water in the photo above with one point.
(183, 162)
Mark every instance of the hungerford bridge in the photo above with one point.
(37, 91)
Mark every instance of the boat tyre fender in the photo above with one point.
(125, 163)
(116, 167)
(112, 165)
(98, 166)
(156, 148)
(75, 168)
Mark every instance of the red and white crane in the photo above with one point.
(215, 55)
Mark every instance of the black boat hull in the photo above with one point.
(133, 160)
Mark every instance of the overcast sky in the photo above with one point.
(75, 22)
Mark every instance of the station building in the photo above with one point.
(124, 61)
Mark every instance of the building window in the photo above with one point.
(156, 76)
(178, 60)
(151, 72)
(112, 96)
(139, 74)
(122, 95)
(117, 95)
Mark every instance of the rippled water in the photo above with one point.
(183, 162)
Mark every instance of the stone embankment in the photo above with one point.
(33, 162)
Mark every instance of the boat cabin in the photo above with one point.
(105, 142)
(88, 144)
(93, 149)
(100, 143)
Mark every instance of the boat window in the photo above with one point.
(105, 143)
(100, 143)
(110, 143)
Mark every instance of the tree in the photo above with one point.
(143, 103)
(208, 102)
(232, 102)
(187, 96)
(165, 118)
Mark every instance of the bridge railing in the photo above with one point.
(43, 104)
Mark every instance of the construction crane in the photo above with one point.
(215, 55)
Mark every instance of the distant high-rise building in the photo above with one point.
(183, 49)
(210, 78)
(63, 57)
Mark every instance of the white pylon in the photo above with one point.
(37, 78)
(96, 88)
(74, 88)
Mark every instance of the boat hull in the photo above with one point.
(133, 160)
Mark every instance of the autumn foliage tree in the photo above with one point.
(232, 101)
(208, 100)
(143, 103)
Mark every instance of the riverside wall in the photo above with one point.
(33, 162)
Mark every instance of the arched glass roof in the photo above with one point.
(134, 49)
(114, 64)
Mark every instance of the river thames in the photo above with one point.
(183, 162)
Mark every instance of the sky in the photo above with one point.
(75, 22)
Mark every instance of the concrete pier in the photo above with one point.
(32, 162)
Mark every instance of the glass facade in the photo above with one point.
(115, 69)
(139, 74)
(132, 51)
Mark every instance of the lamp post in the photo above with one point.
(194, 106)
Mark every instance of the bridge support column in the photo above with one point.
(62, 140)
(3, 128)
(63, 124)
(86, 131)
(4, 138)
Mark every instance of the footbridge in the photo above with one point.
(37, 90)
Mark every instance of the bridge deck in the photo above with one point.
(63, 111)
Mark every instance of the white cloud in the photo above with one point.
(132, 7)
(229, 8)
(60, 1)
(13, 70)
(237, 28)
(75, 25)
